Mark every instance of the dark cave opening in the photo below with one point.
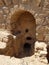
(26, 30)
(29, 38)
(27, 47)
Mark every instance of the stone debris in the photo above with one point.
(5, 10)
(38, 58)
(3, 36)
(40, 10)
(40, 46)
(25, 61)
(2, 45)
(43, 53)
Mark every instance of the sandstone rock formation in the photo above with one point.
(23, 26)
(40, 10)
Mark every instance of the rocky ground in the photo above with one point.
(40, 10)
(38, 58)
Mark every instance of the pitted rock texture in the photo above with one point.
(40, 10)
(39, 57)
(23, 26)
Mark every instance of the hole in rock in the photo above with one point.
(28, 38)
(26, 30)
(27, 47)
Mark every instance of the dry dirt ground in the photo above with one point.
(38, 58)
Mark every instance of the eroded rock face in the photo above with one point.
(23, 27)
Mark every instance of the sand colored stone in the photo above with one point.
(23, 26)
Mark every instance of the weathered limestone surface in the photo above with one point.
(38, 58)
(39, 8)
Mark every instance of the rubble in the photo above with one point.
(40, 10)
